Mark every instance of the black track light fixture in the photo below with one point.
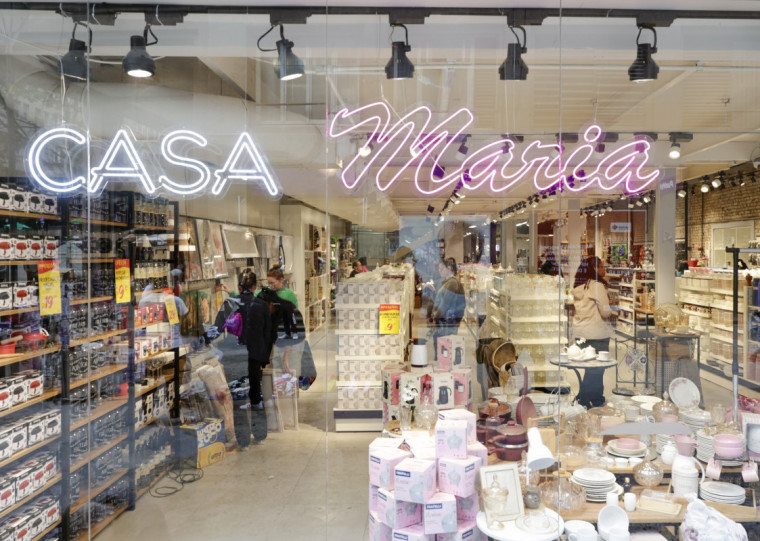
(287, 66)
(514, 67)
(73, 65)
(644, 68)
(399, 66)
(137, 62)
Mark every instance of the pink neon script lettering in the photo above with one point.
(420, 148)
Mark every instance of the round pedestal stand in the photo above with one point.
(510, 531)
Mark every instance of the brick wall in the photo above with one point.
(715, 207)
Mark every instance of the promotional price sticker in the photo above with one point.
(123, 285)
(50, 287)
(390, 318)
(171, 307)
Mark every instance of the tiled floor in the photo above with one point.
(298, 485)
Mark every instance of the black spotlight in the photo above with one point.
(288, 66)
(644, 68)
(74, 63)
(399, 66)
(138, 62)
(514, 68)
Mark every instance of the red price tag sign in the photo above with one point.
(123, 290)
(390, 318)
(171, 307)
(50, 287)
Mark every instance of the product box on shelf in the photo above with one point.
(6, 401)
(382, 462)
(391, 384)
(20, 525)
(35, 428)
(6, 292)
(203, 441)
(415, 532)
(377, 530)
(466, 531)
(457, 475)
(451, 439)
(50, 204)
(397, 513)
(443, 390)
(52, 423)
(49, 465)
(51, 509)
(34, 383)
(479, 450)
(36, 202)
(16, 389)
(373, 497)
(468, 507)
(19, 437)
(36, 521)
(19, 199)
(50, 248)
(36, 470)
(414, 480)
(6, 197)
(6, 441)
(36, 247)
(440, 514)
(20, 294)
(21, 246)
(462, 386)
(462, 415)
(22, 478)
(33, 294)
(7, 492)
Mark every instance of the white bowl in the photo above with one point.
(612, 516)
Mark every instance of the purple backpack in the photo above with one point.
(234, 324)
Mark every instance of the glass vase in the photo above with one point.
(406, 415)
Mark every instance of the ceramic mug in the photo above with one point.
(749, 472)
(715, 466)
(618, 534)
(603, 355)
(631, 413)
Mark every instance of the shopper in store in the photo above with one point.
(257, 338)
(591, 322)
(449, 304)
(275, 279)
(357, 268)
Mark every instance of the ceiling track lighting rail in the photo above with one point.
(515, 16)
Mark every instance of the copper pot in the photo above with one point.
(494, 408)
(513, 434)
(511, 452)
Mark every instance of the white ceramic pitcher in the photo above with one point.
(685, 475)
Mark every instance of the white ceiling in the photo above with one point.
(710, 73)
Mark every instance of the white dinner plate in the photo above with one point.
(594, 475)
(684, 393)
(634, 454)
(721, 489)
(643, 399)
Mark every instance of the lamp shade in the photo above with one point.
(399, 66)
(514, 67)
(74, 63)
(644, 68)
(288, 66)
(138, 62)
(539, 455)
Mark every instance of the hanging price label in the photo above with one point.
(123, 284)
(390, 318)
(50, 287)
(219, 297)
(171, 307)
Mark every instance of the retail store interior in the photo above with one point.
(509, 253)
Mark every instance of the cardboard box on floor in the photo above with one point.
(282, 407)
(203, 441)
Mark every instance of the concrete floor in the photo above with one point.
(304, 484)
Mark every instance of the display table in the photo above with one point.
(594, 395)
(511, 532)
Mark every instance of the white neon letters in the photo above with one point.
(122, 162)
(36, 170)
(489, 166)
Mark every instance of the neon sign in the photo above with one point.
(488, 166)
(122, 162)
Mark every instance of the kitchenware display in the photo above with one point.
(494, 408)
(612, 517)
(597, 483)
(627, 447)
(562, 495)
(705, 449)
(629, 500)
(645, 399)
(525, 410)
(510, 529)
(684, 393)
(696, 418)
(624, 455)
(685, 475)
(532, 497)
(749, 472)
(537, 522)
(511, 452)
(665, 411)
(730, 446)
(685, 444)
(495, 500)
(662, 441)
(720, 492)
(575, 526)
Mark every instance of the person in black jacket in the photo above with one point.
(257, 338)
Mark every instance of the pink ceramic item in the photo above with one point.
(730, 440)
(525, 410)
(685, 444)
(627, 443)
(727, 446)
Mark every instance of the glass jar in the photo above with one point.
(665, 411)
(532, 497)
(648, 474)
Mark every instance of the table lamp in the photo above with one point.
(539, 456)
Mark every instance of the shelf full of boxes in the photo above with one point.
(635, 300)
(363, 351)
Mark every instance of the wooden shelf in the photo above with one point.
(30, 215)
(19, 311)
(49, 529)
(19, 262)
(92, 455)
(91, 300)
(155, 227)
(33, 495)
(153, 420)
(98, 412)
(93, 260)
(725, 328)
(24, 452)
(154, 355)
(80, 220)
(91, 494)
(99, 526)
(17, 358)
(46, 395)
(149, 388)
(96, 338)
(97, 374)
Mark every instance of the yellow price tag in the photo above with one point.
(123, 290)
(390, 318)
(50, 287)
(171, 307)
(219, 297)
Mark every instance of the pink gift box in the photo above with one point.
(460, 414)
(457, 475)
(415, 480)
(381, 464)
(468, 507)
(412, 533)
(440, 514)
(451, 439)
(396, 513)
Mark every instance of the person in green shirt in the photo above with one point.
(275, 279)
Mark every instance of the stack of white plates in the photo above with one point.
(597, 483)
(695, 418)
(614, 450)
(717, 491)
(663, 440)
(705, 450)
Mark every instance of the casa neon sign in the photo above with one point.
(493, 166)
(122, 162)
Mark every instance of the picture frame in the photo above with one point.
(508, 476)
(209, 235)
(749, 419)
(239, 241)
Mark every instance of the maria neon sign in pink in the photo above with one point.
(410, 144)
